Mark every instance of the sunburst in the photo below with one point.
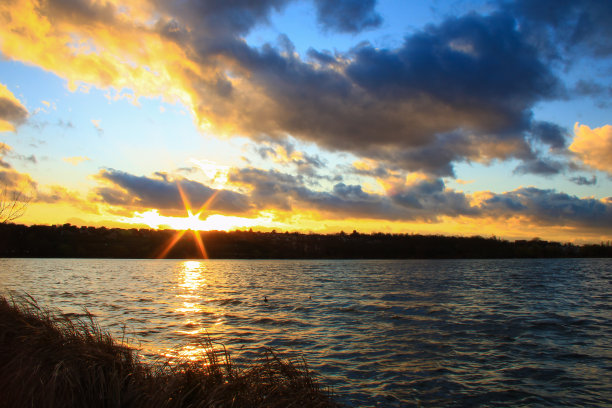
(192, 219)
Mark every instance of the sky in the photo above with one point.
(463, 118)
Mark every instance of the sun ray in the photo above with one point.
(198, 239)
(175, 239)
(208, 202)
(184, 197)
(196, 234)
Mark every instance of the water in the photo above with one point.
(382, 333)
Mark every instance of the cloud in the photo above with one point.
(59, 194)
(75, 160)
(548, 207)
(593, 146)
(583, 181)
(98, 125)
(162, 192)
(285, 153)
(424, 106)
(15, 182)
(4, 150)
(463, 182)
(433, 196)
(349, 16)
(540, 166)
(549, 133)
(65, 124)
(14, 185)
(426, 200)
(12, 111)
(424, 99)
(419, 198)
(583, 26)
(592, 88)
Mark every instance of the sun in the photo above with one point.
(194, 223)
(191, 223)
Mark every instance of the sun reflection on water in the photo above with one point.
(192, 285)
(192, 277)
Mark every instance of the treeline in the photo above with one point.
(68, 241)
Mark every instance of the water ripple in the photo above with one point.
(383, 333)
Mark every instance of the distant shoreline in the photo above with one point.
(68, 241)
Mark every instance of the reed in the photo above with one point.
(52, 360)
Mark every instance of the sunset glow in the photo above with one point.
(313, 116)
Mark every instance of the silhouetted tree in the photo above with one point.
(13, 204)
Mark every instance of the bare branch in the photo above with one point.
(13, 204)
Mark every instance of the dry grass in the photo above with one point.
(52, 360)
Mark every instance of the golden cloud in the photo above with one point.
(593, 146)
(196, 54)
(97, 46)
(75, 160)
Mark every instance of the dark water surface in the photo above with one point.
(463, 333)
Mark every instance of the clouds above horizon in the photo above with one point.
(462, 90)
(13, 184)
(162, 191)
(416, 199)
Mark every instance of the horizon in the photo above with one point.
(469, 118)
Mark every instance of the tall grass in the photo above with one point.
(52, 360)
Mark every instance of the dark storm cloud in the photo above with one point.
(323, 58)
(553, 135)
(592, 88)
(161, 192)
(350, 16)
(474, 60)
(540, 166)
(221, 17)
(473, 76)
(583, 26)
(432, 196)
(462, 90)
(549, 207)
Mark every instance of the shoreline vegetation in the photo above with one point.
(69, 241)
(49, 360)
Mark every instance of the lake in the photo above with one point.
(381, 333)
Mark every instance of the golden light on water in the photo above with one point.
(192, 278)
(191, 283)
(191, 286)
